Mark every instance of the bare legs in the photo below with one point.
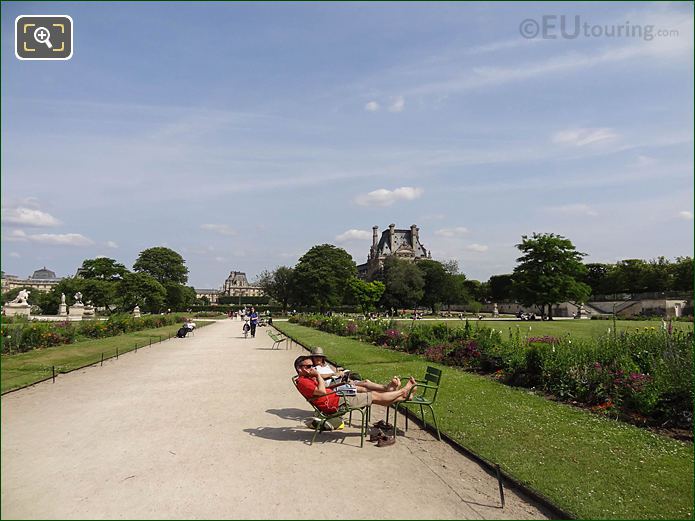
(388, 397)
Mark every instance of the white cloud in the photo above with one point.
(686, 215)
(15, 255)
(60, 239)
(478, 248)
(353, 235)
(111, 244)
(28, 217)
(222, 229)
(576, 210)
(398, 104)
(220, 259)
(452, 232)
(63, 239)
(580, 137)
(384, 197)
(372, 106)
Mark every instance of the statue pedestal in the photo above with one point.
(77, 311)
(63, 311)
(136, 312)
(14, 309)
(89, 311)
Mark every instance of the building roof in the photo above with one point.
(44, 274)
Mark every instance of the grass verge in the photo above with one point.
(30, 367)
(587, 465)
(580, 329)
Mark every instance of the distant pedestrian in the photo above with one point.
(254, 321)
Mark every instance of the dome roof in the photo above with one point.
(43, 274)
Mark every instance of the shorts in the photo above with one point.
(359, 400)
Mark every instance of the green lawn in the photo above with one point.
(589, 466)
(26, 368)
(577, 328)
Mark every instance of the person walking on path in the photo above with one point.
(254, 321)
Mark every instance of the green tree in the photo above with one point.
(101, 293)
(436, 281)
(404, 284)
(320, 277)
(682, 271)
(163, 264)
(102, 268)
(549, 272)
(456, 290)
(142, 290)
(278, 285)
(501, 287)
(178, 296)
(366, 294)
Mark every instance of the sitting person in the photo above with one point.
(313, 388)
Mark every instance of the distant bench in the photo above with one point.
(278, 338)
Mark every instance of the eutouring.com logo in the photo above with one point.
(553, 27)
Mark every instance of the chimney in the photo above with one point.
(413, 236)
(392, 228)
(375, 234)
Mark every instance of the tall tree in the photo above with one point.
(683, 274)
(163, 264)
(456, 290)
(102, 268)
(500, 287)
(320, 277)
(549, 271)
(178, 296)
(366, 294)
(436, 282)
(142, 290)
(404, 284)
(278, 284)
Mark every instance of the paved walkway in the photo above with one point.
(210, 427)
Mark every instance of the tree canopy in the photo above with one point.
(278, 284)
(102, 268)
(321, 276)
(163, 264)
(141, 289)
(366, 294)
(549, 271)
(404, 284)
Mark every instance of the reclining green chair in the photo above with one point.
(343, 409)
(427, 390)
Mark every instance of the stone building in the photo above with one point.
(237, 285)
(41, 280)
(403, 243)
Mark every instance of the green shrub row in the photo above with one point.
(22, 336)
(644, 376)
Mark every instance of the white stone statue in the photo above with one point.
(78, 298)
(22, 297)
(62, 298)
(136, 311)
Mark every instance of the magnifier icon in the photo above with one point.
(43, 35)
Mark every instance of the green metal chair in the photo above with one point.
(427, 390)
(277, 339)
(343, 409)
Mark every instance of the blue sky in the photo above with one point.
(241, 135)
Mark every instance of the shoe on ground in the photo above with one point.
(385, 441)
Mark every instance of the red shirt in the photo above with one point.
(327, 404)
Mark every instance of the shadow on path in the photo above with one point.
(303, 435)
(291, 414)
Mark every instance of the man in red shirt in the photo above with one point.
(313, 387)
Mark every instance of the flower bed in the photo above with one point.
(22, 336)
(645, 374)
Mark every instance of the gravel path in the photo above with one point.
(210, 427)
